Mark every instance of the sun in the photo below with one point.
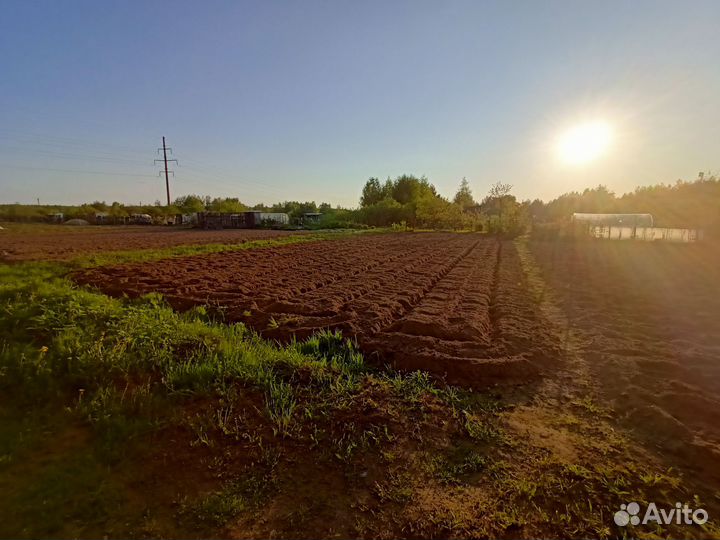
(584, 143)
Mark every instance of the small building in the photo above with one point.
(185, 219)
(101, 218)
(311, 217)
(140, 219)
(241, 220)
(620, 220)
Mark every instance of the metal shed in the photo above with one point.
(312, 217)
(240, 220)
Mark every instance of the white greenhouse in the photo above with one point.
(622, 220)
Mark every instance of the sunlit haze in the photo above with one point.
(584, 143)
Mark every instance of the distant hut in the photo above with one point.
(311, 217)
(102, 218)
(141, 219)
(241, 220)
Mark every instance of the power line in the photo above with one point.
(63, 147)
(220, 173)
(231, 183)
(77, 171)
(39, 138)
(229, 180)
(74, 156)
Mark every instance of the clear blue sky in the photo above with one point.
(305, 100)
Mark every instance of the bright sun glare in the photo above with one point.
(584, 143)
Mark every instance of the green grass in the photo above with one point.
(52, 484)
(458, 465)
(72, 492)
(238, 496)
(280, 404)
(110, 355)
(124, 369)
(121, 367)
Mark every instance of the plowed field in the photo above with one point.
(452, 304)
(65, 242)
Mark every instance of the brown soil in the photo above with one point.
(452, 304)
(59, 242)
(648, 317)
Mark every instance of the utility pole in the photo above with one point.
(167, 179)
(165, 161)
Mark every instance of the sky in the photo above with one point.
(305, 100)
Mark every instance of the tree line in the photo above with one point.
(413, 202)
(416, 203)
(685, 204)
